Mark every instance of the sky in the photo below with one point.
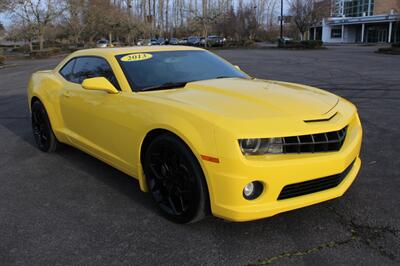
(4, 19)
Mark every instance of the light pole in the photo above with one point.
(281, 22)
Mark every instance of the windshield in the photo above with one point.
(156, 69)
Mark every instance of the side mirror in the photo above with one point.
(237, 67)
(99, 84)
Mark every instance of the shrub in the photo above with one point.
(302, 44)
(389, 50)
(311, 44)
(2, 59)
(290, 44)
(45, 52)
(396, 45)
(240, 43)
(20, 49)
(250, 44)
(384, 50)
(232, 43)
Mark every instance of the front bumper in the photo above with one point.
(227, 179)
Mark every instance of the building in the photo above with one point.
(359, 21)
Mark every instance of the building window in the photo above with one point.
(336, 33)
(337, 8)
(357, 8)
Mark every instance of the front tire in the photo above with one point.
(175, 180)
(44, 137)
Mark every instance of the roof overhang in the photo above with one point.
(362, 20)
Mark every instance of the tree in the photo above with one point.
(206, 22)
(21, 31)
(305, 13)
(74, 19)
(85, 21)
(39, 14)
(248, 25)
(4, 4)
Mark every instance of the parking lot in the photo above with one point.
(69, 208)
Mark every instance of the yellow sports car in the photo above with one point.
(197, 132)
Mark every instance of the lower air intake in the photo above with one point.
(312, 186)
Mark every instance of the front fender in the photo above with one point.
(196, 130)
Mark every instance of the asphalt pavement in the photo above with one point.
(69, 208)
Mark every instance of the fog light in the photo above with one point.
(252, 190)
(248, 189)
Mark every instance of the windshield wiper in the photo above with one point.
(167, 85)
(228, 77)
(224, 77)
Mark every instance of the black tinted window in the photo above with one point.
(66, 71)
(93, 67)
(145, 70)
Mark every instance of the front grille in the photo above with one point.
(322, 142)
(312, 186)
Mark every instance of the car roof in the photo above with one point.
(133, 49)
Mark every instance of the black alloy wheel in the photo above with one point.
(175, 180)
(43, 134)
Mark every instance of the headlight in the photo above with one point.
(261, 146)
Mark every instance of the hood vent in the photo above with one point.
(321, 120)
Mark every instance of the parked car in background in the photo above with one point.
(102, 43)
(202, 41)
(285, 39)
(153, 42)
(174, 41)
(193, 41)
(215, 41)
(183, 41)
(140, 42)
(161, 41)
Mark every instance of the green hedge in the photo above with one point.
(396, 45)
(394, 49)
(45, 52)
(240, 43)
(21, 49)
(389, 50)
(302, 44)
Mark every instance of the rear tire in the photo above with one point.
(44, 137)
(175, 180)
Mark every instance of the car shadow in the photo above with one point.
(16, 119)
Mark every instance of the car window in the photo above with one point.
(145, 70)
(93, 67)
(66, 71)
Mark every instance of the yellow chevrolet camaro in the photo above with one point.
(197, 132)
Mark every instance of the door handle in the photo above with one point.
(66, 93)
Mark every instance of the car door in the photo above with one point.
(89, 115)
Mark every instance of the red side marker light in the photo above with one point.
(209, 158)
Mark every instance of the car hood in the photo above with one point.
(243, 98)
